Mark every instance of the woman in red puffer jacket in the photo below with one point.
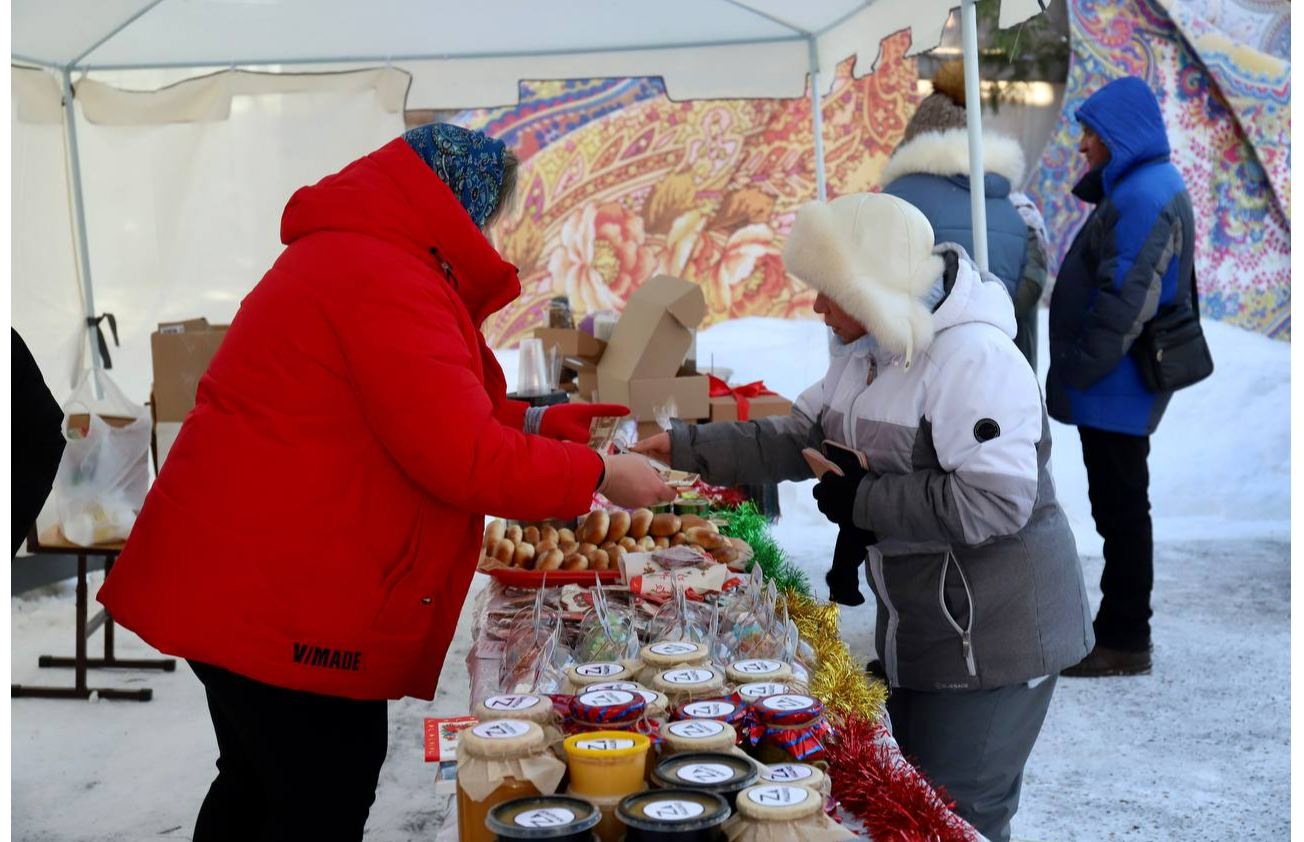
(311, 539)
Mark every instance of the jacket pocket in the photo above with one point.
(944, 601)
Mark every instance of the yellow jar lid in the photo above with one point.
(779, 802)
(502, 738)
(606, 744)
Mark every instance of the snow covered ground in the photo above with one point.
(1198, 749)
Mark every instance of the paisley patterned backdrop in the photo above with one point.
(1221, 70)
(619, 183)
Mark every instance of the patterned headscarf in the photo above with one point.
(469, 162)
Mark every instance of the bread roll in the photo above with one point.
(705, 538)
(678, 538)
(575, 562)
(543, 546)
(568, 547)
(515, 534)
(639, 523)
(531, 535)
(585, 549)
(724, 555)
(524, 553)
(494, 533)
(663, 543)
(598, 559)
(615, 554)
(594, 529)
(647, 544)
(550, 560)
(565, 535)
(549, 533)
(740, 545)
(664, 525)
(619, 527)
(687, 522)
(504, 551)
(628, 544)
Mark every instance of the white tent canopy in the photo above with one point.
(459, 55)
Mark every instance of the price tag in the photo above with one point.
(613, 685)
(600, 669)
(789, 773)
(788, 702)
(696, 728)
(689, 676)
(511, 703)
(757, 666)
(673, 810)
(603, 698)
(704, 773)
(709, 710)
(671, 649)
(778, 795)
(503, 729)
(545, 817)
(761, 690)
(608, 744)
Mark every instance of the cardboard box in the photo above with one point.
(691, 393)
(586, 381)
(570, 343)
(181, 352)
(648, 347)
(726, 408)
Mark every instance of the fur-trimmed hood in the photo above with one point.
(947, 154)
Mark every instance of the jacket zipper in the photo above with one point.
(889, 639)
(966, 634)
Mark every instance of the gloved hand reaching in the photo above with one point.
(570, 421)
(836, 497)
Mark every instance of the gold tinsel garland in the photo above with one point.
(838, 681)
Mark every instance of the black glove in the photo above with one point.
(836, 497)
(843, 577)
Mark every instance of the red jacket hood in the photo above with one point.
(393, 196)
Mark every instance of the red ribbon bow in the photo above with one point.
(741, 394)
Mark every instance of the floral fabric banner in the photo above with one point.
(1227, 107)
(618, 183)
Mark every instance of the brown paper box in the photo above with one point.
(726, 408)
(651, 340)
(181, 352)
(570, 343)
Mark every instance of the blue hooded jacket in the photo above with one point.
(1130, 258)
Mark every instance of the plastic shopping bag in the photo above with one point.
(102, 479)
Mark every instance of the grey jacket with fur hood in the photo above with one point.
(976, 572)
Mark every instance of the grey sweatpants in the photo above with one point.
(974, 743)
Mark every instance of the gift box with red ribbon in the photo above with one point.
(745, 403)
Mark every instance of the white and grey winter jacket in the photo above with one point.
(976, 571)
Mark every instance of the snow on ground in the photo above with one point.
(1198, 749)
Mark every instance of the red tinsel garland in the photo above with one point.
(895, 802)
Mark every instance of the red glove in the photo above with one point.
(570, 421)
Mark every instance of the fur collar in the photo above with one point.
(947, 153)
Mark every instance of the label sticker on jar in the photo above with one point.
(673, 810)
(613, 685)
(603, 698)
(789, 772)
(523, 702)
(545, 817)
(704, 773)
(671, 648)
(696, 728)
(601, 668)
(761, 690)
(503, 729)
(788, 702)
(604, 744)
(757, 666)
(689, 676)
(778, 795)
(709, 710)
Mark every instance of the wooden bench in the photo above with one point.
(53, 542)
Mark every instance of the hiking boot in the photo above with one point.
(1104, 661)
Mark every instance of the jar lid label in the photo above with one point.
(519, 702)
(690, 676)
(604, 744)
(603, 698)
(788, 702)
(709, 710)
(613, 685)
(704, 773)
(789, 772)
(696, 728)
(503, 729)
(545, 817)
(674, 648)
(778, 795)
(648, 696)
(601, 668)
(757, 666)
(756, 691)
(673, 810)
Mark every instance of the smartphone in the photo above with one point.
(849, 460)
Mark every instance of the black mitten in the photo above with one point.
(843, 577)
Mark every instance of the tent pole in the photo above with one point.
(79, 209)
(974, 112)
(817, 121)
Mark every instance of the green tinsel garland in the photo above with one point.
(746, 522)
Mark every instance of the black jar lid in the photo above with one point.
(543, 817)
(673, 810)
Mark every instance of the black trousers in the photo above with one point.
(291, 765)
(1118, 483)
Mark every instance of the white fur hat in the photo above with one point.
(873, 255)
